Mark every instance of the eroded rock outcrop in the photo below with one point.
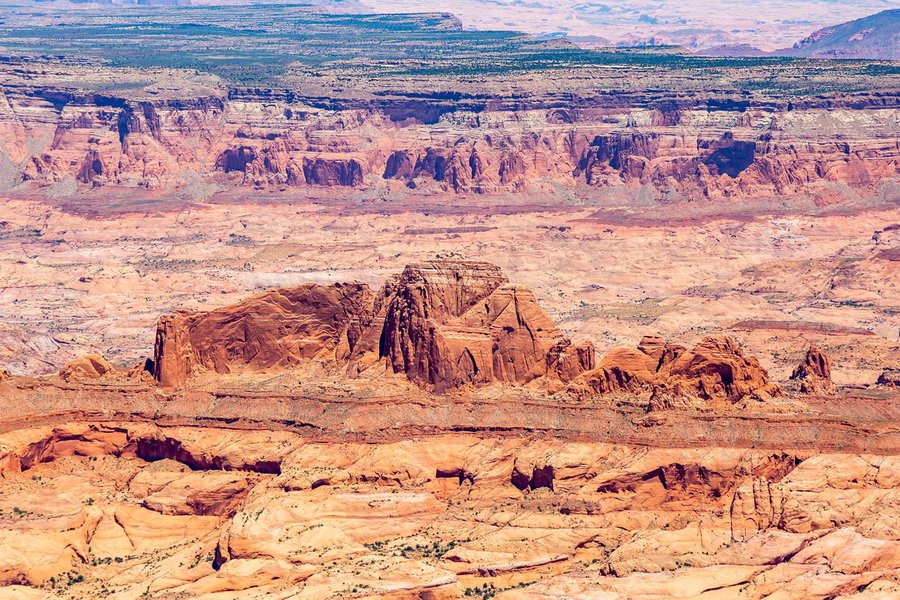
(715, 370)
(443, 324)
(86, 368)
(718, 369)
(452, 323)
(273, 330)
(890, 377)
(814, 373)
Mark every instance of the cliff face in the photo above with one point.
(682, 149)
(274, 330)
(450, 324)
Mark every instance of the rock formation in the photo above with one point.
(86, 368)
(276, 329)
(715, 370)
(718, 369)
(814, 373)
(453, 323)
(443, 324)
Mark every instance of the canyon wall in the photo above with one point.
(680, 147)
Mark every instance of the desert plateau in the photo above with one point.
(400, 300)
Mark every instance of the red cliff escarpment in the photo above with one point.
(690, 150)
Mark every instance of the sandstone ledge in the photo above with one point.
(821, 423)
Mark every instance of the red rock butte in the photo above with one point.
(444, 324)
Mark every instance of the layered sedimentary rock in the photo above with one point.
(681, 147)
(276, 329)
(714, 370)
(814, 373)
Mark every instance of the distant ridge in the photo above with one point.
(876, 37)
(873, 37)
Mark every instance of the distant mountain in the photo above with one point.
(733, 50)
(876, 36)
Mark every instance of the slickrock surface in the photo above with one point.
(130, 509)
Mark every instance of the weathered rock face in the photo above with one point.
(443, 324)
(718, 369)
(332, 172)
(814, 373)
(452, 323)
(631, 370)
(419, 338)
(715, 370)
(274, 330)
(618, 155)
